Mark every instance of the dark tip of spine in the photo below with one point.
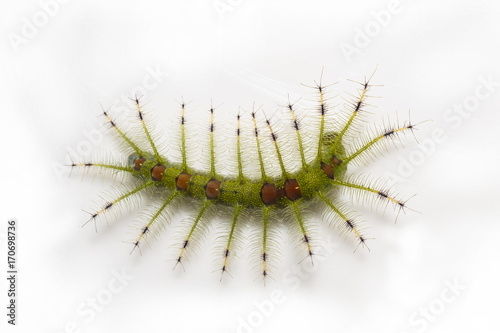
(358, 106)
(382, 194)
(389, 133)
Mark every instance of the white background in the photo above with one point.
(431, 55)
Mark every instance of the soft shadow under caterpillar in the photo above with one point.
(290, 192)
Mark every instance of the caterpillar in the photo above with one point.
(263, 199)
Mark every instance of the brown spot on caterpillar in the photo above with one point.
(138, 163)
(336, 161)
(292, 190)
(182, 181)
(268, 194)
(212, 189)
(327, 169)
(157, 172)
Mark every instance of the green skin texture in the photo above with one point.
(247, 192)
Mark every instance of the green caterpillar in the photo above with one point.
(290, 193)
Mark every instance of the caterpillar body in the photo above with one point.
(268, 197)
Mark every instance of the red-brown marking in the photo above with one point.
(182, 181)
(157, 172)
(212, 189)
(336, 161)
(327, 169)
(138, 163)
(292, 190)
(268, 194)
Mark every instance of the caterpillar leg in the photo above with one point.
(323, 110)
(296, 126)
(154, 219)
(390, 133)
(187, 240)
(125, 139)
(122, 135)
(342, 222)
(379, 193)
(103, 166)
(274, 138)
(229, 244)
(158, 158)
(257, 140)
(126, 195)
(264, 254)
(303, 230)
(183, 136)
(356, 108)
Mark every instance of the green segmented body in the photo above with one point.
(290, 191)
(245, 192)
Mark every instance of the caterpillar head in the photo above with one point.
(333, 154)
